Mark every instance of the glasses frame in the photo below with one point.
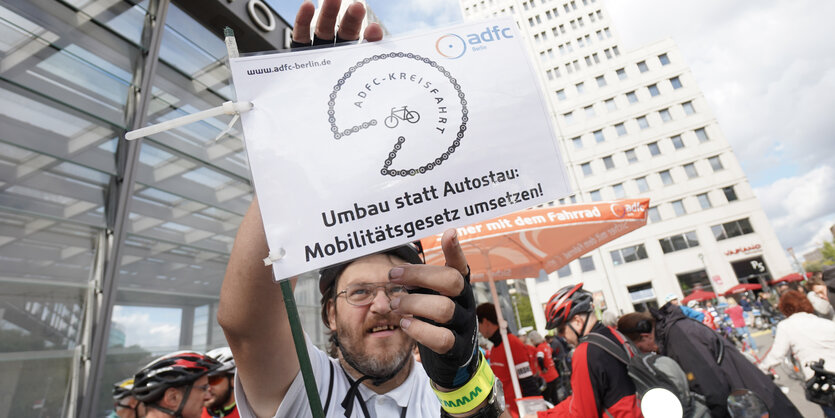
(387, 289)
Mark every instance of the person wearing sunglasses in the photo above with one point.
(221, 403)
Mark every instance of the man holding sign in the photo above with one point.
(376, 308)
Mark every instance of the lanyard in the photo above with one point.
(354, 392)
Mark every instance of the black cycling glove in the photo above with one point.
(455, 367)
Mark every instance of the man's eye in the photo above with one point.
(397, 289)
(359, 292)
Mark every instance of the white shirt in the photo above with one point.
(414, 393)
(809, 337)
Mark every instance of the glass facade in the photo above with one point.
(68, 70)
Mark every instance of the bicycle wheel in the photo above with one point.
(412, 116)
(391, 121)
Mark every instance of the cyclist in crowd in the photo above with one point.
(548, 371)
(802, 334)
(713, 365)
(818, 296)
(600, 383)
(488, 326)
(737, 315)
(124, 404)
(221, 386)
(373, 320)
(673, 298)
(174, 385)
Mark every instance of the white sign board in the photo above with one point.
(360, 148)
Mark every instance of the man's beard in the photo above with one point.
(379, 369)
(220, 402)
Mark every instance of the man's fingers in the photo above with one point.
(446, 281)
(453, 253)
(437, 339)
(373, 32)
(301, 28)
(437, 308)
(328, 13)
(349, 28)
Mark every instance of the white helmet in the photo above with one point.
(224, 356)
(692, 304)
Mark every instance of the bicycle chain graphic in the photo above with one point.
(337, 134)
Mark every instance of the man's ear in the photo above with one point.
(171, 398)
(332, 315)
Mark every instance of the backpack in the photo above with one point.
(652, 370)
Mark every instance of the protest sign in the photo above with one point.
(360, 148)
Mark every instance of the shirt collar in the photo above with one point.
(401, 394)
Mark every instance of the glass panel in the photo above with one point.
(616, 258)
(666, 245)
(586, 264)
(642, 252)
(692, 240)
(629, 254)
(718, 232)
(678, 242)
(745, 226)
(732, 229)
(565, 271)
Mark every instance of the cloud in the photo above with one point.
(801, 208)
(401, 17)
(146, 330)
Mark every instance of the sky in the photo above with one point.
(766, 67)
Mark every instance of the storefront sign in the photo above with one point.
(750, 249)
(363, 147)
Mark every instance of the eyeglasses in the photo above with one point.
(361, 294)
(216, 379)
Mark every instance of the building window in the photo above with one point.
(581, 87)
(643, 186)
(614, 48)
(653, 214)
(704, 201)
(702, 135)
(561, 94)
(678, 207)
(663, 59)
(716, 163)
(586, 264)
(666, 178)
(589, 111)
(676, 82)
(620, 128)
(679, 242)
(690, 170)
(586, 167)
(642, 66)
(642, 122)
(610, 105)
(564, 272)
(732, 229)
(688, 108)
(630, 156)
(598, 136)
(632, 97)
(653, 90)
(653, 149)
(629, 254)
(621, 73)
(601, 81)
(608, 162)
(730, 193)
(595, 195)
(569, 117)
(619, 192)
(678, 143)
(665, 115)
(578, 142)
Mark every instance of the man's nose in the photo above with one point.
(381, 302)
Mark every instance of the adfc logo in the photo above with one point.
(451, 46)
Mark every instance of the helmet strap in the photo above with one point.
(582, 330)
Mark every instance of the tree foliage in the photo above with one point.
(523, 306)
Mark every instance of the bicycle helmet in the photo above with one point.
(567, 302)
(122, 389)
(224, 356)
(171, 370)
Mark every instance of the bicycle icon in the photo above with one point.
(403, 113)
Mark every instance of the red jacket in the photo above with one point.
(499, 363)
(543, 351)
(600, 384)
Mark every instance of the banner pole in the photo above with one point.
(289, 297)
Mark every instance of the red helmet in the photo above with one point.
(567, 302)
(171, 370)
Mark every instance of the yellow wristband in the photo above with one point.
(473, 393)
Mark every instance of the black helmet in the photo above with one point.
(567, 302)
(410, 253)
(122, 389)
(171, 370)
